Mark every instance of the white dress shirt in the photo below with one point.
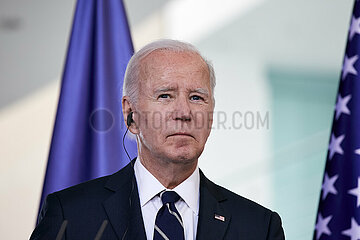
(188, 205)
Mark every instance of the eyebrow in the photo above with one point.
(171, 89)
(201, 91)
(165, 89)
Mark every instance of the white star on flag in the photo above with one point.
(355, 27)
(356, 192)
(354, 231)
(357, 151)
(321, 226)
(334, 146)
(328, 185)
(341, 105)
(349, 66)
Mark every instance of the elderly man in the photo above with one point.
(168, 105)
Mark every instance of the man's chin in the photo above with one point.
(184, 156)
(179, 142)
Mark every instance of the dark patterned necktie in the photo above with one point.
(168, 223)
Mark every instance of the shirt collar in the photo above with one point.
(189, 189)
(149, 187)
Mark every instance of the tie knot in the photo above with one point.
(169, 197)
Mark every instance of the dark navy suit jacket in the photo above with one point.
(115, 198)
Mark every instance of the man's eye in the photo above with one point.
(164, 96)
(196, 98)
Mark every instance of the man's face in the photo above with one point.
(174, 108)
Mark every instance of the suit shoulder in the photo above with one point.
(248, 218)
(243, 201)
(92, 189)
(256, 217)
(95, 186)
(236, 202)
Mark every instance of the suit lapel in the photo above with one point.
(123, 210)
(213, 218)
(127, 220)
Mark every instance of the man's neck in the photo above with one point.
(168, 173)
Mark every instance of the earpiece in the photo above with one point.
(129, 119)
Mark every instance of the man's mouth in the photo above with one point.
(180, 134)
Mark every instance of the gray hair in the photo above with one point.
(132, 74)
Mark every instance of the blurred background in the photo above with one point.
(277, 63)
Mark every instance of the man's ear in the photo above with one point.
(129, 113)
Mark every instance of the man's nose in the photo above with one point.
(182, 110)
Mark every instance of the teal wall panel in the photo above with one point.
(302, 110)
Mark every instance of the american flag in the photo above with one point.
(338, 214)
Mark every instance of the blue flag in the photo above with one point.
(338, 215)
(89, 126)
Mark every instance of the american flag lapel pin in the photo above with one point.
(219, 217)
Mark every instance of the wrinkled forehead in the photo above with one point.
(161, 60)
